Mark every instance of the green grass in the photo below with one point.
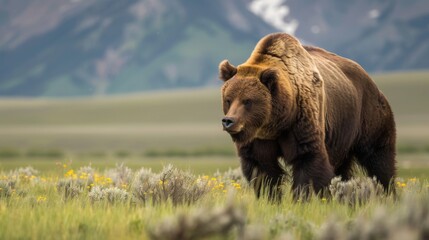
(182, 128)
(413, 172)
(36, 208)
(164, 107)
(198, 165)
(406, 91)
(407, 94)
(185, 119)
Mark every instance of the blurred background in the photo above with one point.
(135, 81)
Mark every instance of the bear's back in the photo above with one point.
(350, 96)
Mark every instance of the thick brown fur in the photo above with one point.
(314, 110)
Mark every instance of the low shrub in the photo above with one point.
(171, 184)
(110, 194)
(358, 190)
(202, 224)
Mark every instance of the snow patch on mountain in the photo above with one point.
(374, 13)
(274, 12)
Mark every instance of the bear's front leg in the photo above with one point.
(260, 166)
(311, 168)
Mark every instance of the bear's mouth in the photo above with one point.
(233, 132)
(239, 136)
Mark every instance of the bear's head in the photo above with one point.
(248, 94)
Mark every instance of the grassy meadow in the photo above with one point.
(100, 170)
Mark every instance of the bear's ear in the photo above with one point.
(226, 70)
(269, 78)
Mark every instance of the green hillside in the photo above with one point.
(156, 120)
(408, 95)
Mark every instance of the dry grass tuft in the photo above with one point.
(357, 190)
(171, 184)
(410, 220)
(202, 224)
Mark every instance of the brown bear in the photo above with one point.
(316, 111)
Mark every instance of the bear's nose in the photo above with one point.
(227, 122)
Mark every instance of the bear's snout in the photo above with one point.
(228, 123)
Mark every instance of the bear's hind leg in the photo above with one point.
(345, 170)
(379, 162)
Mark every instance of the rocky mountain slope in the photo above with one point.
(97, 47)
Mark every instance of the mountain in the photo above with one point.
(381, 35)
(98, 47)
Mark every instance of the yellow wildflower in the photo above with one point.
(236, 185)
(70, 173)
(41, 199)
(83, 176)
(413, 179)
(401, 184)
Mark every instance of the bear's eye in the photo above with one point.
(247, 103)
(228, 102)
